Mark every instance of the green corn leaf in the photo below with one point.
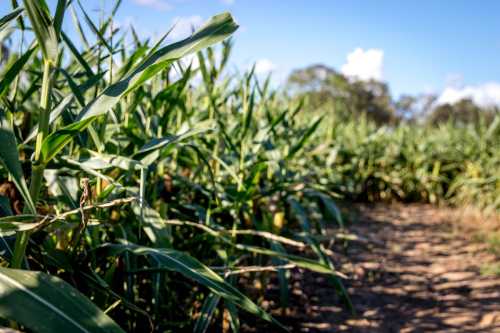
(77, 54)
(54, 114)
(73, 86)
(215, 30)
(5, 209)
(9, 157)
(190, 267)
(47, 304)
(20, 20)
(5, 21)
(301, 215)
(153, 226)
(331, 208)
(44, 29)
(282, 275)
(9, 225)
(79, 27)
(234, 320)
(206, 313)
(302, 262)
(249, 114)
(57, 140)
(308, 133)
(64, 104)
(94, 29)
(132, 60)
(13, 71)
(59, 16)
(158, 143)
(100, 161)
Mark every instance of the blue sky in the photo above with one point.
(415, 46)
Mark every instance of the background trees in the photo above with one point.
(323, 88)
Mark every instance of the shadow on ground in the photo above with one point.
(416, 274)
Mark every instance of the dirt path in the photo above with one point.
(416, 275)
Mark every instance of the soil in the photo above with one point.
(418, 270)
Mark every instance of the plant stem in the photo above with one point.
(37, 167)
(43, 123)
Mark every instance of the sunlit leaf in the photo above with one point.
(47, 304)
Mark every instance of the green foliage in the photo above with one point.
(45, 28)
(157, 184)
(182, 187)
(461, 112)
(447, 164)
(9, 157)
(325, 89)
(44, 304)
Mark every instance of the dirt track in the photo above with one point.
(416, 274)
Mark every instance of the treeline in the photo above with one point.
(323, 88)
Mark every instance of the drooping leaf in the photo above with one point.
(46, 304)
(215, 30)
(9, 225)
(190, 267)
(159, 143)
(99, 161)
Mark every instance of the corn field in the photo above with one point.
(142, 181)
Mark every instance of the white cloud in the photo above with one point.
(485, 95)
(364, 65)
(184, 26)
(161, 5)
(227, 2)
(264, 66)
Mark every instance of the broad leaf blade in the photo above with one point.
(216, 30)
(47, 304)
(190, 267)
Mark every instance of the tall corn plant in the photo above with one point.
(169, 172)
(47, 31)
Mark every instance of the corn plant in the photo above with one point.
(143, 190)
(127, 180)
(448, 164)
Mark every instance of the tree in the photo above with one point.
(324, 88)
(464, 111)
